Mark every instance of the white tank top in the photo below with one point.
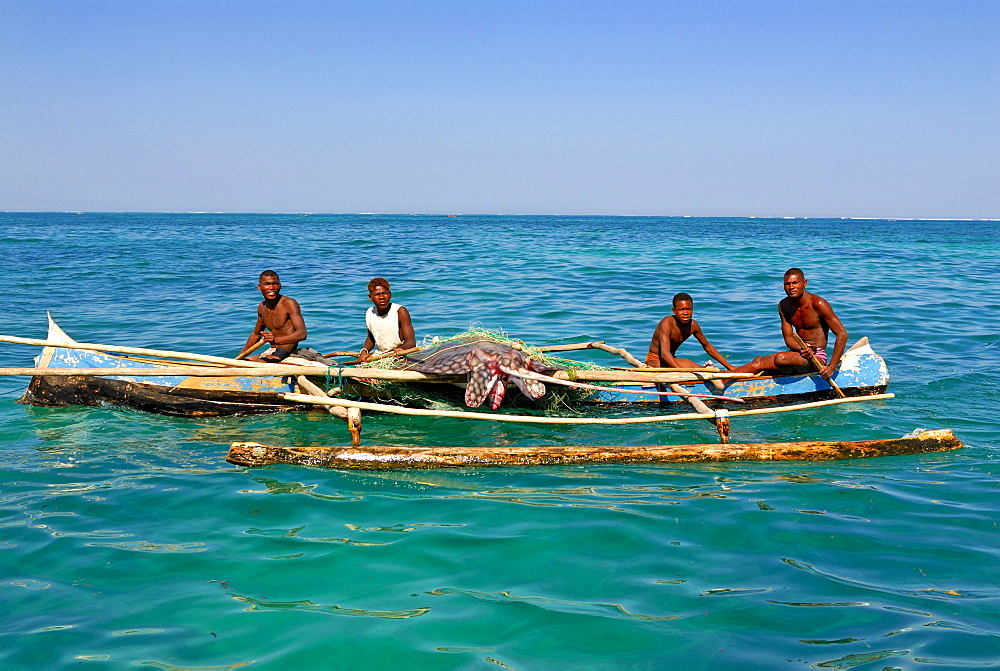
(384, 329)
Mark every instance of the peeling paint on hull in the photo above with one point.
(168, 395)
(862, 373)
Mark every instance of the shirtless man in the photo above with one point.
(813, 319)
(675, 329)
(389, 325)
(279, 321)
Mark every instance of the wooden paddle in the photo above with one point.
(250, 350)
(816, 362)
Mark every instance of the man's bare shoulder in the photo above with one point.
(818, 300)
(823, 308)
(288, 303)
(668, 326)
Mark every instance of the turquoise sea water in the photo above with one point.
(126, 539)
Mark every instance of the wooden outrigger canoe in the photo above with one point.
(72, 373)
(180, 388)
(398, 457)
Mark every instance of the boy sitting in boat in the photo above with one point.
(675, 329)
(812, 318)
(389, 325)
(279, 321)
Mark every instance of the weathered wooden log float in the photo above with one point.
(399, 457)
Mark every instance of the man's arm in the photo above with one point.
(366, 349)
(256, 334)
(833, 321)
(406, 333)
(707, 346)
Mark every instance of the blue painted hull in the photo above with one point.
(168, 395)
(862, 373)
(77, 358)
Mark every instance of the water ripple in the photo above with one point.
(330, 609)
(121, 522)
(611, 610)
(926, 592)
(294, 533)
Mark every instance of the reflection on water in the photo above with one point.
(612, 610)
(126, 539)
(330, 609)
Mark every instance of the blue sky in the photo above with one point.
(774, 108)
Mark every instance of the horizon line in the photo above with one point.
(505, 214)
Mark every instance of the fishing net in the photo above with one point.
(445, 396)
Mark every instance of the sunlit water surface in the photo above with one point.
(126, 539)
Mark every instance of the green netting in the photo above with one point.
(441, 396)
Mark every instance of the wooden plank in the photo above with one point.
(262, 370)
(720, 423)
(649, 375)
(620, 351)
(395, 457)
(534, 419)
(97, 347)
(283, 370)
(313, 390)
(569, 348)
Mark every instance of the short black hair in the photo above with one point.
(795, 271)
(267, 273)
(682, 297)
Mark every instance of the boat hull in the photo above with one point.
(166, 395)
(160, 399)
(862, 373)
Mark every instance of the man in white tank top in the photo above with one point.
(389, 325)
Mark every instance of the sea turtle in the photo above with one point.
(487, 365)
